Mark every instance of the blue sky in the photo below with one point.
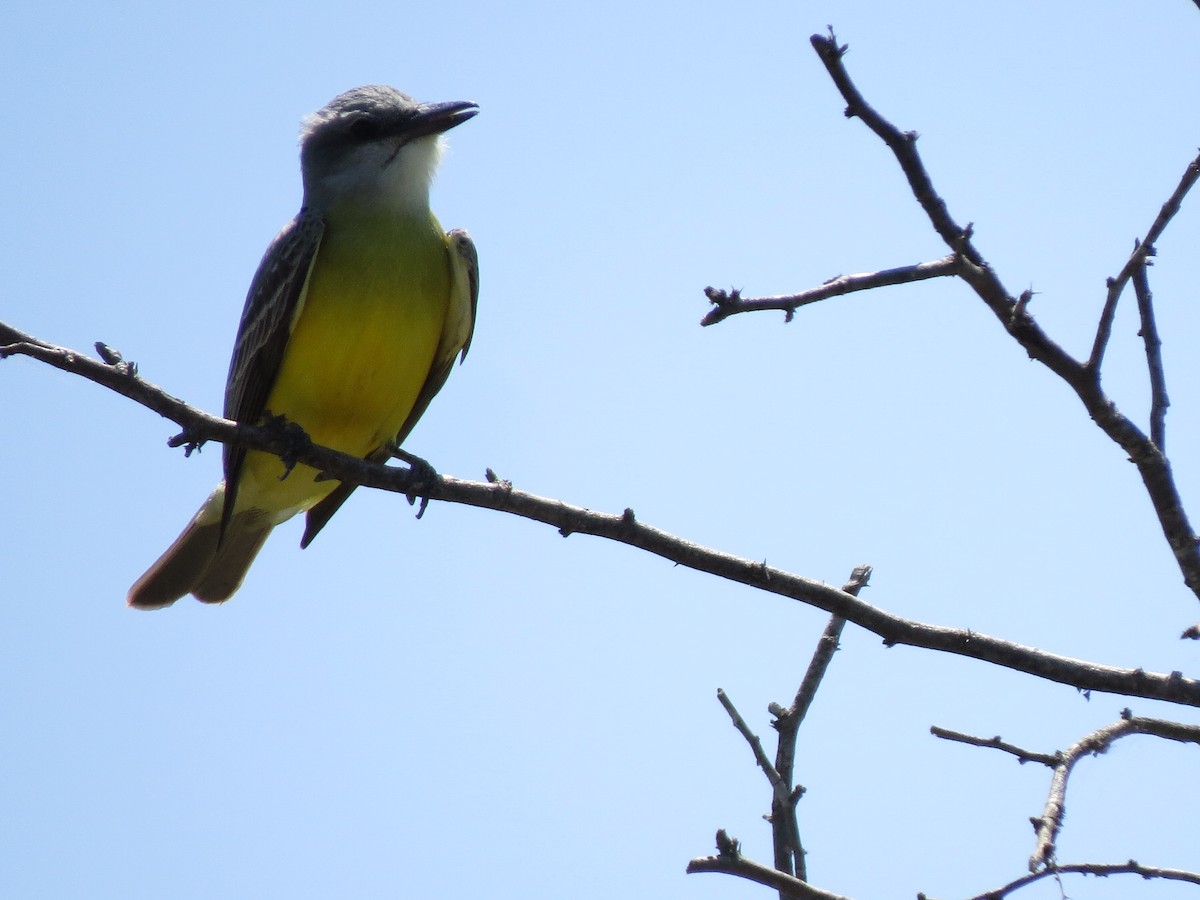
(470, 703)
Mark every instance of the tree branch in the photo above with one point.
(1083, 378)
(500, 495)
(760, 756)
(785, 828)
(730, 861)
(1050, 822)
(1101, 870)
(1139, 259)
(1154, 362)
(1063, 762)
(730, 303)
(1023, 756)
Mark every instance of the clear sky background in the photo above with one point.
(470, 705)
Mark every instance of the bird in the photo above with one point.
(351, 325)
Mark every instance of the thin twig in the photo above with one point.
(1154, 362)
(1084, 379)
(1108, 314)
(1050, 822)
(1101, 870)
(730, 862)
(902, 144)
(624, 527)
(826, 647)
(785, 827)
(752, 739)
(1142, 251)
(731, 303)
(995, 743)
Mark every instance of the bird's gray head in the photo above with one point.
(375, 139)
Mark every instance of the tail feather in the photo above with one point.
(244, 537)
(202, 562)
(176, 572)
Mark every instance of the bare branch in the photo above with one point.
(1101, 870)
(729, 861)
(119, 376)
(1138, 260)
(1084, 379)
(1154, 362)
(902, 144)
(1023, 756)
(785, 828)
(1050, 822)
(1108, 313)
(826, 647)
(623, 527)
(730, 303)
(752, 739)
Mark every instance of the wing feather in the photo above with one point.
(273, 303)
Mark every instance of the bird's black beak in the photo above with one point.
(434, 118)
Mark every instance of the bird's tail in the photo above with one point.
(202, 561)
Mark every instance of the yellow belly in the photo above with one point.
(359, 352)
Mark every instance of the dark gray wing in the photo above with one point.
(456, 340)
(274, 300)
(459, 327)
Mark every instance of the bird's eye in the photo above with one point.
(364, 129)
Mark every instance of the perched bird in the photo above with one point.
(352, 324)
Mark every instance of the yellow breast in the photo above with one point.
(361, 348)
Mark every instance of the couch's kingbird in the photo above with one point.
(351, 326)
